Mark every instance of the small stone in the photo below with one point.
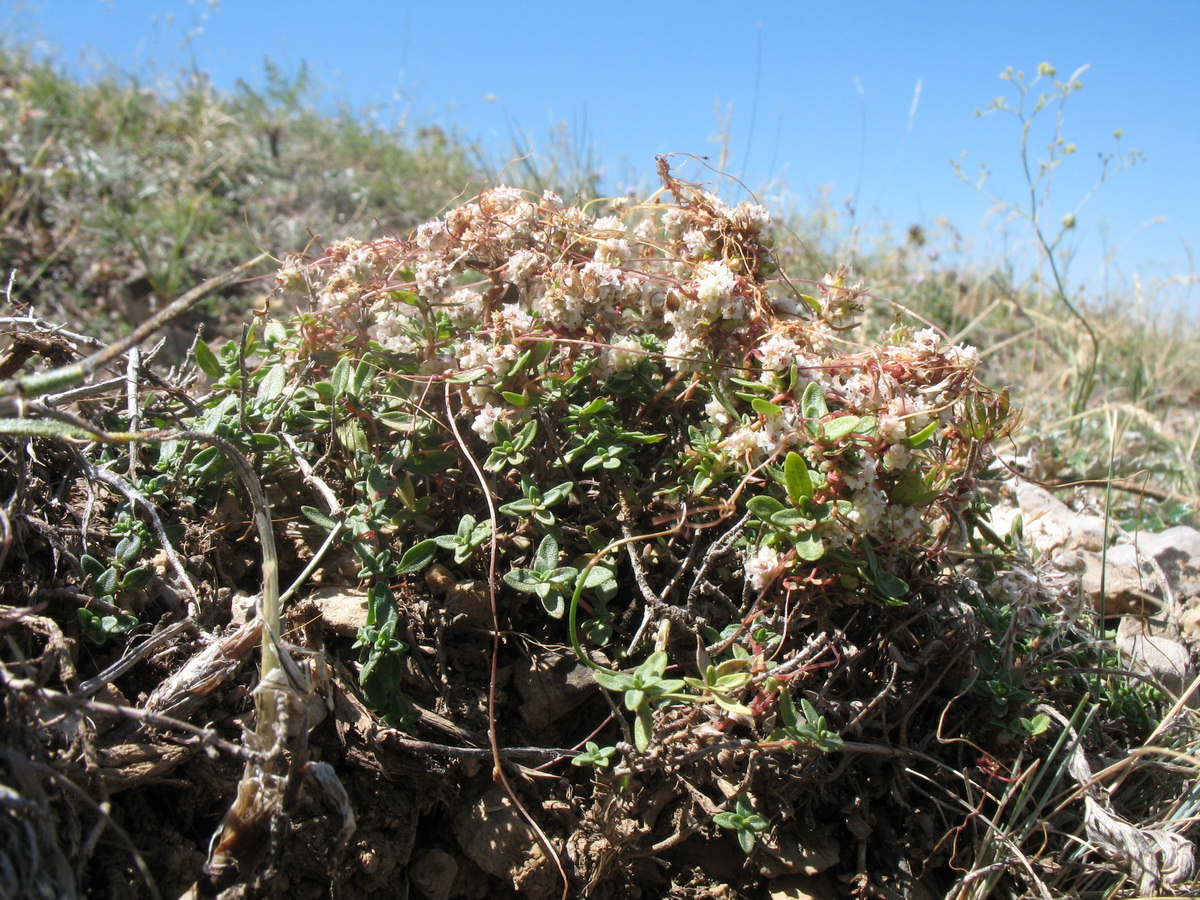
(1189, 623)
(1165, 659)
(493, 835)
(1123, 584)
(802, 887)
(799, 850)
(550, 685)
(469, 603)
(343, 610)
(432, 874)
(439, 580)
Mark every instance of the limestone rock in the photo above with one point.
(343, 610)
(1150, 650)
(469, 603)
(1176, 551)
(798, 850)
(494, 836)
(1134, 571)
(550, 685)
(1049, 524)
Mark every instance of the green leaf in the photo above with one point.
(319, 518)
(911, 490)
(273, 383)
(352, 437)
(340, 377)
(136, 579)
(557, 494)
(128, 548)
(92, 567)
(524, 580)
(786, 518)
(763, 506)
(890, 586)
(547, 554)
(362, 374)
(613, 681)
(787, 709)
(809, 548)
(107, 582)
(591, 409)
(813, 401)
(764, 407)
(655, 665)
(643, 728)
(842, 426)
(207, 361)
(555, 605)
(598, 576)
(467, 377)
(519, 508)
(417, 557)
(916, 440)
(797, 478)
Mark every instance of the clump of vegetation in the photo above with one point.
(618, 445)
(115, 197)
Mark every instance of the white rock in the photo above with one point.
(1165, 659)
(343, 610)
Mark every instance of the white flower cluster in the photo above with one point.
(472, 291)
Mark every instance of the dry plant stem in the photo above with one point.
(14, 389)
(121, 834)
(335, 509)
(131, 657)
(493, 740)
(76, 703)
(136, 498)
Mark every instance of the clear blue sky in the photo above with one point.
(868, 100)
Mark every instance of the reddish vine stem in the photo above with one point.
(493, 738)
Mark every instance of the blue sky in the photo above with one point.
(862, 101)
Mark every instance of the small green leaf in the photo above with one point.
(765, 407)
(107, 582)
(797, 478)
(207, 361)
(763, 506)
(417, 557)
(273, 383)
(787, 518)
(813, 401)
(916, 440)
(317, 517)
(613, 681)
(643, 729)
(838, 428)
(362, 374)
(136, 579)
(352, 437)
(911, 490)
(340, 377)
(809, 548)
(92, 567)
(128, 548)
(890, 586)
(547, 554)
